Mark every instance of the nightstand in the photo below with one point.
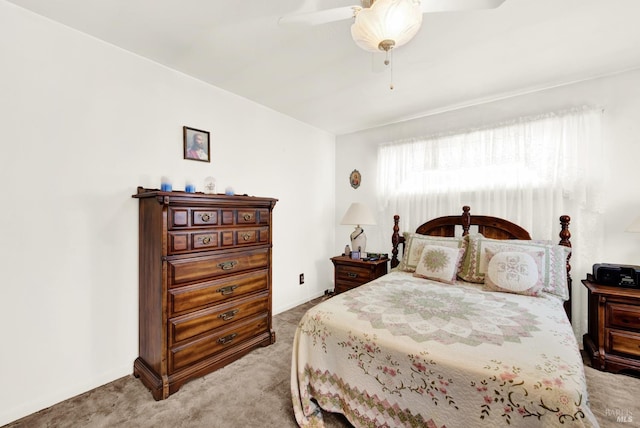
(350, 273)
(613, 340)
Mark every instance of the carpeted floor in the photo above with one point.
(254, 392)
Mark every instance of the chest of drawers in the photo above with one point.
(613, 339)
(204, 284)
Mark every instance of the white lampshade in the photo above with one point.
(393, 22)
(635, 226)
(358, 214)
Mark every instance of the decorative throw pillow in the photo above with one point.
(554, 264)
(518, 272)
(439, 263)
(414, 244)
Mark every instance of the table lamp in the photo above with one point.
(358, 214)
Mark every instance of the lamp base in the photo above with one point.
(358, 240)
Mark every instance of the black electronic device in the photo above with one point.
(377, 255)
(617, 275)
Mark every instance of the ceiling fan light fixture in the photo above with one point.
(387, 24)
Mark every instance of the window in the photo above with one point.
(530, 171)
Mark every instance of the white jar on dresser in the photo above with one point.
(204, 284)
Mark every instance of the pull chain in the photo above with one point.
(388, 61)
(391, 73)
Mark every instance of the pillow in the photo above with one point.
(518, 272)
(554, 264)
(414, 243)
(439, 263)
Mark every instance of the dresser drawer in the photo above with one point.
(183, 242)
(622, 342)
(198, 296)
(623, 316)
(196, 323)
(220, 340)
(204, 217)
(184, 271)
(183, 217)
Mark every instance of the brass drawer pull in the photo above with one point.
(206, 240)
(205, 217)
(246, 236)
(352, 275)
(227, 339)
(228, 265)
(227, 316)
(227, 290)
(247, 217)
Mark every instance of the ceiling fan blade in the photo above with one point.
(453, 5)
(319, 17)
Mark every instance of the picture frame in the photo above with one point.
(196, 144)
(355, 178)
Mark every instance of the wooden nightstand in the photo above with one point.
(613, 340)
(350, 273)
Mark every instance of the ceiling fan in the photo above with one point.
(381, 25)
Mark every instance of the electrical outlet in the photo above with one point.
(301, 278)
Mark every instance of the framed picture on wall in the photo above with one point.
(196, 144)
(355, 178)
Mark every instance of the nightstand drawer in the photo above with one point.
(353, 274)
(623, 316)
(624, 343)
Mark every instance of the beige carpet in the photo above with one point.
(254, 392)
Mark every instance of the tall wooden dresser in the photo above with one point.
(205, 284)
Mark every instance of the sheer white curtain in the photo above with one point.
(531, 171)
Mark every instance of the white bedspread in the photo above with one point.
(405, 351)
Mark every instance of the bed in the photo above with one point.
(450, 337)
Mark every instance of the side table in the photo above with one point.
(350, 273)
(613, 338)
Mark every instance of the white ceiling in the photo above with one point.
(319, 76)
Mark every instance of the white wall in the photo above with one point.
(619, 95)
(82, 124)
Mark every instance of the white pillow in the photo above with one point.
(415, 243)
(518, 272)
(554, 265)
(439, 263)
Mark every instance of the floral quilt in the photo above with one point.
(406, 351)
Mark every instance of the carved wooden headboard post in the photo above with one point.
(565, 236)
(396, 239)
(466, 220)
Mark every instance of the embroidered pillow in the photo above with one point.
(518, 272)
(439, 263)
(554, 264)
(414, 244)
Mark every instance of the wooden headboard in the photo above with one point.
(490, 227)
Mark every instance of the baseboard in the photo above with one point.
(281, 309)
